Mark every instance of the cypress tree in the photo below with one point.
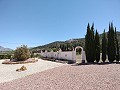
(117, 46)
(104, 46)
(90, 44)
(97, 47)
(111, 50)
(87, 44)
(61, 47)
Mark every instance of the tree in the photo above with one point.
(104, 46)
(93, 51)
(90, 44)
(111, 50)
(87, 41)
(117, 46)
(97, 47)
(21, 53)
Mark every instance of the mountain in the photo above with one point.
(5, 49)
(71, 42)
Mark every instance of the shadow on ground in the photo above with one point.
(102, 63)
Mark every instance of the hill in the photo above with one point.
(60, 44)
(68, 43)
(2, 49)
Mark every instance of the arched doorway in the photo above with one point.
(78, 51)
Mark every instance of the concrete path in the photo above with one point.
(8, 72)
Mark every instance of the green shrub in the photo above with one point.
(22, 53)
(32, 55)
(5, 56)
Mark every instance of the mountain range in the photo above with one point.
(4, 49)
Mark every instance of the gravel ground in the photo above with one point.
(68, 77)
(8, 72)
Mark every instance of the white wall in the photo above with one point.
(83, 55)
(68, 55)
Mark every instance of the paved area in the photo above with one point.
(8, 72)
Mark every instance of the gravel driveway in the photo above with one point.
(8, 72)
(68, 77)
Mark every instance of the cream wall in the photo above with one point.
(68, 55)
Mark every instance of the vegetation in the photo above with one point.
(78, 51)
(22, 53)
(5, 56)
(104, 46)
(64, 45)
(117, 46)
(111, 50)
(97, 47)
(33, 55)
(90, 44)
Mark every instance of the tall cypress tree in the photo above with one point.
(117, 46)
(97, 47)
(90, 44)
(111, 50)
(87, 41)
(104, 46)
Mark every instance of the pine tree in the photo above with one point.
(117, 46)
(111, 50)
(97, 47)
(104, 46)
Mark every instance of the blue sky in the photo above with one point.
(38, 22)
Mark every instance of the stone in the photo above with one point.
(23, 68)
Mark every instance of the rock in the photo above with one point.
(23, 68)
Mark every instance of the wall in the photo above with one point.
(68, 55)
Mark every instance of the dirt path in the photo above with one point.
(67, 77)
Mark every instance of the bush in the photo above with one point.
(5, 56)
(22, 53)
(32, 55)
(1, 56)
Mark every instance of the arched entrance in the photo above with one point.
(78, 51)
